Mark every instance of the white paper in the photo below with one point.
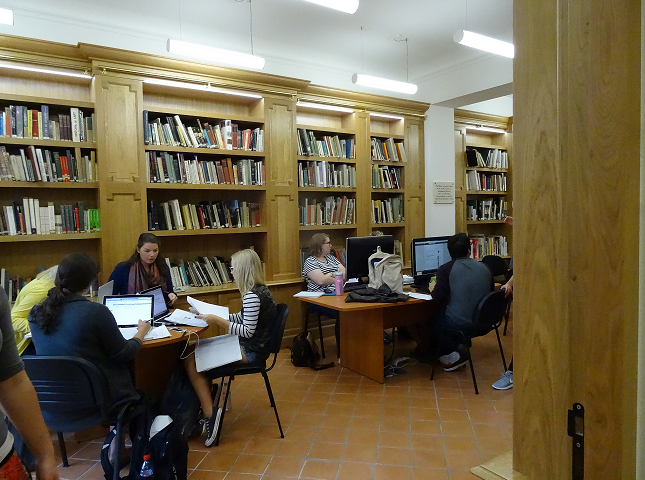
(217, 351)
(420, 296)
(182, 317)
(407, 280)
(203, 307)
(153, 334)
(159, 423)
(309, 294)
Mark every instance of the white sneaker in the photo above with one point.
(449, 359)
(505, 382)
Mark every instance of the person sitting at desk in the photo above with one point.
(461, 284)
(31, 294)
(144, 269)
(67, 323)
(252, 325)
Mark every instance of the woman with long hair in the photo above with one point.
(143, 270)
(252, 324)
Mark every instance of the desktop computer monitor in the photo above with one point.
(428, 254)
(359, 250)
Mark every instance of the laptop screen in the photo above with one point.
(160, 307)
(129, 309)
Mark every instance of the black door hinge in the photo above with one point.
(576, 431)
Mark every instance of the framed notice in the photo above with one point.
(443, 192)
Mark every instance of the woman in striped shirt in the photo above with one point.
(252, 324)
(321, 266)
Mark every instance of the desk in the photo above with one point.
(362, 325)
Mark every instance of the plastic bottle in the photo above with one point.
(339, 283)
(146, 467)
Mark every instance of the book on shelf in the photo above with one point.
(19, 121)
(12, 284)
(203, 272)
(328, 211)
(482, 245)
(486, 209)
(205, 215)
(325, 174)
(389, 210)
(487, 157)
(30, 217)
(325, 145)
(387, 150)
(484, 181)
(386, 177)
(193, 133)
(33, 164)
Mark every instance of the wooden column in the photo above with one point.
(414, 186)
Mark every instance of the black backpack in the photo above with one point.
(305, 352)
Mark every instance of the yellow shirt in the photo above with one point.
(31, 294)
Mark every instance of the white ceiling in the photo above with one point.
(301, 39)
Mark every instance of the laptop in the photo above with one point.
(160, 307)
(129, 309)
(104, 290)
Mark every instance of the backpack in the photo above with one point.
(385, 268)
(180, 401)
(305, 352)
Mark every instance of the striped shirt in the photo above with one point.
(243, 323)
(312, 263)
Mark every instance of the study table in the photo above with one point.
(362, 325)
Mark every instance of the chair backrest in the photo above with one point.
(489, 313)
(70, 390)
(497, 265)
(277, 329)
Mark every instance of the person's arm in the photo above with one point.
(168, 279)
(441, 290)
(18, 399)
(244, 325)
(508, 287)
(322, 279)
(118, 348)
(119, 276)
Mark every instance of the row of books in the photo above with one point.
(30, 218)
(388, 150)
(326, 146)
(482, 245)
(389, 210)
(339, 253)
(203, 272)
(326, 174)
(12, 284)
(488, 209)
(171, 215)
(18, 121)
(43, 165)
(224, 135)
(163, 167)
(495, 158)
(328, 211)
(386, 177)
(489, 182)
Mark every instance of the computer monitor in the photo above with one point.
(428, 254)
(359, 250)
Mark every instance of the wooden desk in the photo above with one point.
(362, 325)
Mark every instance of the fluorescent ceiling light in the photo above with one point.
(217, 55)
(347, 6)
(386, 115)
(486, 129)
(482, 42)
(6, 16)
(383, 83)
(322, 106)
(198, 86)
(45, 70)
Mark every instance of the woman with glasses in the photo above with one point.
(321, 266)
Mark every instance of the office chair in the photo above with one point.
(72, 396)
(236, 369)
(498, 267)
(488, 316)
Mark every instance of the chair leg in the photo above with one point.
(322, 343)
(63, 450)
(221, 419)
(501, 350)
(472, 371)
(271, 399)
(507, 315)
(118, 440)
(434, 364)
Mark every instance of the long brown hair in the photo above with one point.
(143, 239)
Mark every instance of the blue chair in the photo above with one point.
(72, 396)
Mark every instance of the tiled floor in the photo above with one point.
(341, 426)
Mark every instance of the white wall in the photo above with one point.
(440, 167)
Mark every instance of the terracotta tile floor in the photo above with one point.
(341, 426)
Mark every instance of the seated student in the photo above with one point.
(461, 284)
(31, 294)
(252, 325)
(67, 323)
(144, 269)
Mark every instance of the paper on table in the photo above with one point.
(182, 317)
(153, 334)
(203, 307)
(420, 296)
(217, 351)
(309, 294)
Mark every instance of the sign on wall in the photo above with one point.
(443, 192)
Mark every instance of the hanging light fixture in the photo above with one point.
(482, 42)
(347, 6)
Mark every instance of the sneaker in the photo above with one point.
(212, 427)
(460, 362)
(505, 382)
(449, 359)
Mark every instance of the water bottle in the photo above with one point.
(146, 467)
(339, 283)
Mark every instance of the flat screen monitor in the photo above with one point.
(359, 250)
(428, 254)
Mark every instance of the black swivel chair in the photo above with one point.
(498, 268)
(72, 396)
(488, 316)
(236, 369)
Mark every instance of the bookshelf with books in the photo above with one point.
(483, 182)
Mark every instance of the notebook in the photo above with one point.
(129, 309)
(160, 311)
(217, 351)
(104, 290)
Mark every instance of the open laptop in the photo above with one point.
(129, 309)
(105, 289)
(160, 307)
